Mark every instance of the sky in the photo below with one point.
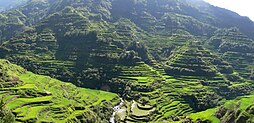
(242, 7)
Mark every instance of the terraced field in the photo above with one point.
(152, 102)
(37, 98)
(239, 110)
(169, 60)
(166, 91)
(236, 48)
(180, 89)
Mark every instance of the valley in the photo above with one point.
(125, 61)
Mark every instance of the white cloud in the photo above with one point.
(242, 7)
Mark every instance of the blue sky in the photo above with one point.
(242, 7)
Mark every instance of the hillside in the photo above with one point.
(238, 111)
(36, 98)
(169, 60)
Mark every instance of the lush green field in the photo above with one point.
(37, 98)
(205, 115)
(237, 110)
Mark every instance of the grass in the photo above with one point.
(22, 111)
(139, 112)
(173, 104)
(33, 112)
(22, 101)
(8, 98)
(42, 98)
(205, 115)
(26, 86)
(52, 84)
(244, 102)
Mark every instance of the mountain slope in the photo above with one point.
(236, 48)
(36, 98)
(239, 111)
(159, 16)
(166, 58)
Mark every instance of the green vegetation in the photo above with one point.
(169, 60)
(239, 110)
(205, 115)
(6, 115)
(37, 98)
(172, 95)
